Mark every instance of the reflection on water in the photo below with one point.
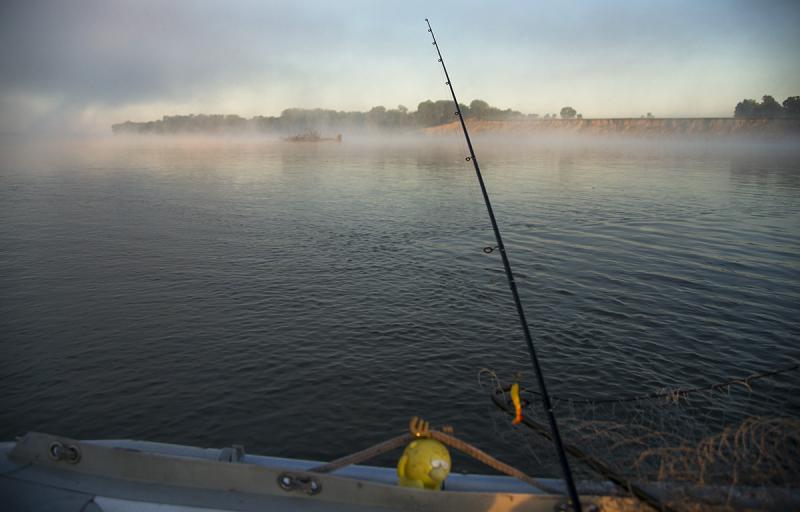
(305, 300)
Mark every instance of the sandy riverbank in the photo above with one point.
(632, 126)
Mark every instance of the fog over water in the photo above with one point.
(307, 299)
(82, 66)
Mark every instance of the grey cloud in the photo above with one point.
(127, 53)
(116, 52)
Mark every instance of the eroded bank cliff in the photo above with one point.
(632, 126)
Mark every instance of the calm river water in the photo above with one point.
(306, 300)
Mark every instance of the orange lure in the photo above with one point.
(517, 403)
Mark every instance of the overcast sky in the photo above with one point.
(84, 64)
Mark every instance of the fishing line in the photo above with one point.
(676, 394)
(556, 437)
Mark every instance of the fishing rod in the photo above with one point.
(548, 407)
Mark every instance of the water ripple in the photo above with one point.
(307, 303)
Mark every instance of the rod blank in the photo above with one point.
(562, 456)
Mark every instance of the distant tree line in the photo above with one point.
(569, 113)
(768, 107)
(292, 120)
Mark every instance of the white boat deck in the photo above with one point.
(125, 475)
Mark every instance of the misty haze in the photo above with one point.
(259, 224)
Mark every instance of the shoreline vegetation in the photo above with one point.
(438, 117)
(297, 120)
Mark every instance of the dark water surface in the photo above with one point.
(306, 300)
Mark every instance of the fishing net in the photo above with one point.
(729, 445)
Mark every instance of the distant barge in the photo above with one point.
(313, 137)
